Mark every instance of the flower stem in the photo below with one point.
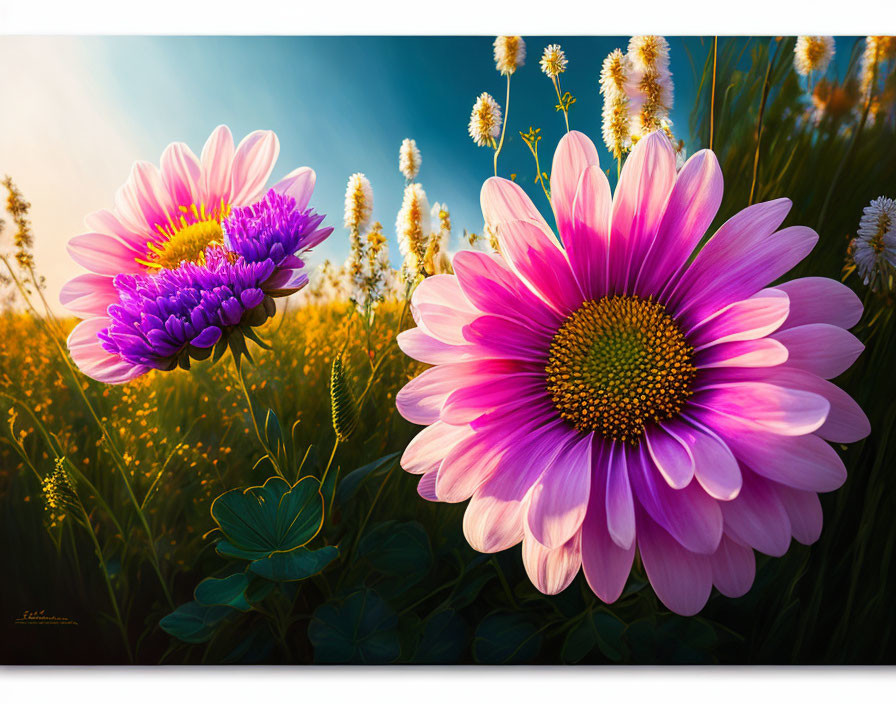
(712, 103)
(504, 125)
(766, 86)
(261, 439)
(556, 81)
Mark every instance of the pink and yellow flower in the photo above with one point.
(616, 395)
(191, 256)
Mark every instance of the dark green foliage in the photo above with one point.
(359, 629)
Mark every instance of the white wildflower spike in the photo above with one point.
(616, 117)
(409, 159)
(510, 54)
(413, 228)
(358, 202)
(485, 121)
(812, 54)
(649, 87)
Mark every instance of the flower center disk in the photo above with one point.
(618, 364)
(187, 238)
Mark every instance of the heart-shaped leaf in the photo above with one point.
(194, 622)
(294, 565)
(275, 517)
(504, 638)
(229, 591)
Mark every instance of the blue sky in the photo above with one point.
(85, 108)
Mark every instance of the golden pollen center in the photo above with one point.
(186, 238)
(618, 364)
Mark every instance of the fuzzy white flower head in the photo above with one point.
(409, 159)
(510, 54)
(812, 54)
(485, 120)
(874, 249)
(553, 61)
(649, 86)
(413, 227)
(649, 53)
(616, 114)
(358, 202)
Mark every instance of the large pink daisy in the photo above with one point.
(611, 395)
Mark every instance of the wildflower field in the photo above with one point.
(224, 463)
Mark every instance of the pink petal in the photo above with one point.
(500, 337)
(689, 515)
(605, 564)
(816, 299)
(421, 398)
(715, 466)
(217, 163)
(426, 487)
(574, 154)
(440, 309)
(552, 570)
(766, 407)
(749, 319)
(88, 295)
(764, 352)
(298, 184)
(804, 510)
(540, 264)
(671, 455)
(733, 568)
(418, 345)
(681, 579)
(730, 243)
(491, 287)
(153, 197)
(693, 203)
(757, 517)
(804, 462)
(504, 201)
(499, 390)
(587, 238)
(429, 447)
(107, 223)
(559, 499)
(93, 361)
(620, 506)
(644, 186)
(181, 173)
(819, 348)
(102, 254)
(741, 278)
(495, 516)
(253, 163)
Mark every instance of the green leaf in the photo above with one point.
(295, 565)
(274, 517)
(360, 629)
(444, 639)
(258, 590)
(224, 592)
(272, 431)
(609, 630)
(350, 483)
(225, 549)
(469, 589)
(504, 638)
(399, 549)
(580, 641)
(194, 622)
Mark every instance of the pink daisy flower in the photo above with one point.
(190, 258)
(612, 395)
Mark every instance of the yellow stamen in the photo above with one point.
(618, 364)
(186, 238)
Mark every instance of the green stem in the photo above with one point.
(712, 103)
(261, 439)
(766, 86)
(556, 81)
(504, 125)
